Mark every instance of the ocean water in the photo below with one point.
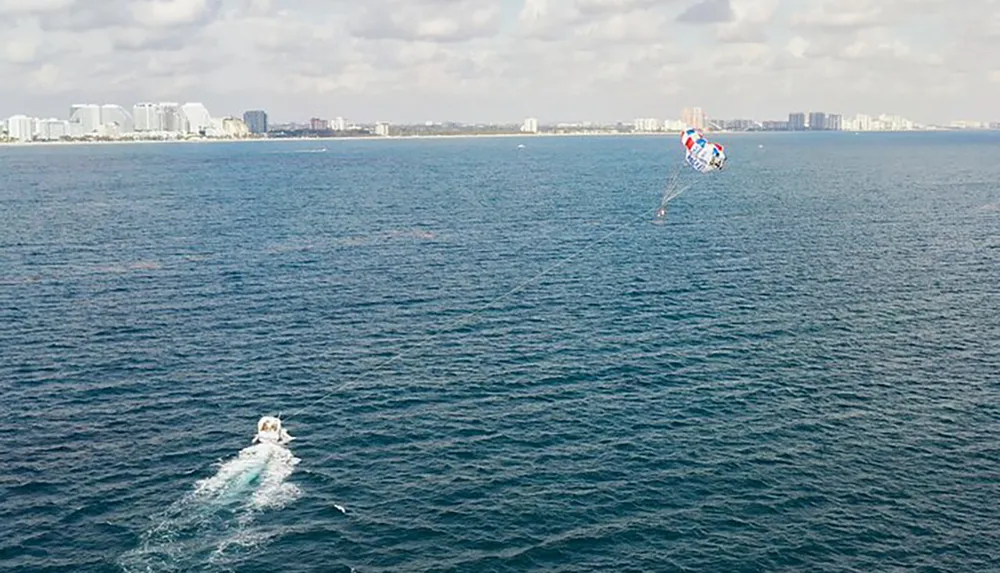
(494, 359)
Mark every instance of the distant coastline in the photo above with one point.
(336, 138)
(330, 138)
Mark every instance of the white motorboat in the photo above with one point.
(269, 430)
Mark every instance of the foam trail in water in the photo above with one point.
(212, 523)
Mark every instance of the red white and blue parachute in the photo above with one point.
(702, 155)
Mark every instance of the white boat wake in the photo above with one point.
(216, 522)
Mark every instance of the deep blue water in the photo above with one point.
(494, 360)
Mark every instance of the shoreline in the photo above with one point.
(409, 137)
(328, 138)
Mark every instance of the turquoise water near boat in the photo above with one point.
(495, 359)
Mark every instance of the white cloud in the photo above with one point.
(797, 47)
(603, 7)
(504, 59)
(20, 44)
(8, 7)
(156, 13)
(45, 78)
(544, 19)
(708, 12)
(456, 20)
(840, 14)
(639, 27)
(749, 21)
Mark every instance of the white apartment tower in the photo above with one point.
(115, 119)
(53, 129)
(173, 118)
(147, 117)
(196, 117)
(235, 127)
(673, 125)
(645, 124)
(86, 116)
(21, 128)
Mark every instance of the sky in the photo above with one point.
(504, 60)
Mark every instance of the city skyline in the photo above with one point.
(569, 60)
(171, 115)
(686, 115)
(194, 118)
(173, 120)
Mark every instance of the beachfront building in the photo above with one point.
(53, 129)
(116, 120)
(256, 120)
(884, 122)
(147, 116)
(694, 117)
(196, 118)
(646, 124)
(673, 125)
(234, 127)
(21, 128)
(173, 118)
(797, 121)
(817, 121)
(530, 125)
(85, 118)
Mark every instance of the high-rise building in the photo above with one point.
(173, 118)
(530, 125)
(382, 128)
(338, 124)
(197, 120)
(87, 116)
(21, 128)
(736, 124)
(817, 121)
(147, 116)
(834, 122)
(796, 121)
(318, 124)
(673, 125)
(694, 117)
(53, 129)
(256, 120)
(644, 124)
(116, 119)
(863, 122)
(234, 127)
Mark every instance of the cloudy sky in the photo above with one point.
(502, 60)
